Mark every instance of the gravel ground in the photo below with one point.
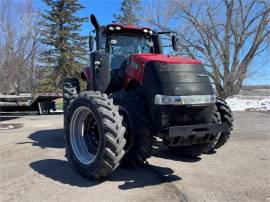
(33, 167)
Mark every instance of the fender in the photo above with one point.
(86, 74)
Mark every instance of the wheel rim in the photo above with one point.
(84, 135)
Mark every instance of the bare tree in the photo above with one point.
(225, 34)
(19, 43)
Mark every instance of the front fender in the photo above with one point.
(86, 74)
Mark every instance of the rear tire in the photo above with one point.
(137, 121)
(94, 134)
(226, 117)
(71, 88)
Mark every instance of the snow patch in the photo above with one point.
(256, 103)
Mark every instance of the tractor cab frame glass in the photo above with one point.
(121, 45)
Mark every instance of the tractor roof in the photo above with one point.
(127, 28)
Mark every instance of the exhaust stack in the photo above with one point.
(98, 31)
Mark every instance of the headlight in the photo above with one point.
(111, 28)
(150, 32)
(97, 63)
(184, 100)
(145, 30)
(117, 27)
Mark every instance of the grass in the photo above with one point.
(59, 104)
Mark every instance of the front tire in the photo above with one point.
(94, 134)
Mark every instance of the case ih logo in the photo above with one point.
(202, 75)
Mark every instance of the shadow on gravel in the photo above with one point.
(53, 138)
(147, 175)
(7, 118)
(165, 153)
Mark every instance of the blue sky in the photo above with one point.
(104, 10)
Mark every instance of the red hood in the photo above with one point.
(145, 57)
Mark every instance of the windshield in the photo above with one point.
(120, 47)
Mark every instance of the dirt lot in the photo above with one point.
(33, 167)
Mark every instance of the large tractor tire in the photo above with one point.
(195, 150)
(94, 134)
(71, 87)
(138, 127)
(226, 117)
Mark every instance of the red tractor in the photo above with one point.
(134, 94)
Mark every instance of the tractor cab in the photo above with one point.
(115, 47)
(120, 42)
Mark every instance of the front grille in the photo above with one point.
(184, 115)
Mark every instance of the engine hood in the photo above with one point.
(146, 57)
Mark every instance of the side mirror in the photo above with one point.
(91, 42)
(175, 43)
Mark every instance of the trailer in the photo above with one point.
(42, 103)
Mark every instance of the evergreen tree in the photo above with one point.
(65, 48)
(128, 13)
